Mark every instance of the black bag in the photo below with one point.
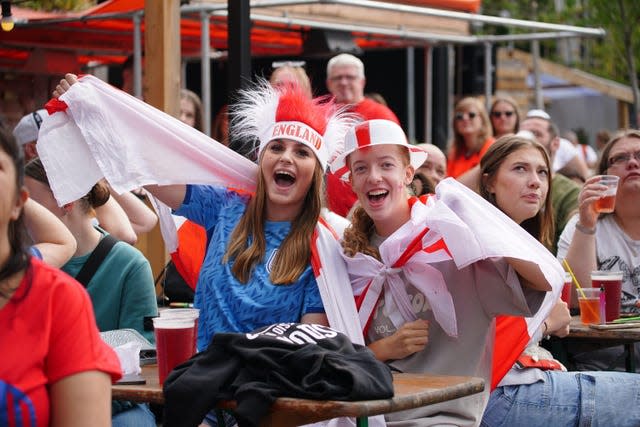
(175, 287)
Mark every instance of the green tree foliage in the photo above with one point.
(616, 56)
(58, 5)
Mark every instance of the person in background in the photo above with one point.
(346, 81)
(586, 152)
(291, 71)
(566, 159)
(26, 132)
(564, 192)
(404, 324)
(602, 137)
(421, 185)
(472, 136)
(191, 109)
(55, 370)
(505, 117)
(611, 241)
(538, 391)
(435, 167)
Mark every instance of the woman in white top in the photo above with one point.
(611, 242)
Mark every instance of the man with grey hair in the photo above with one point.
(346, 81)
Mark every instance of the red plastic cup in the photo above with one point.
(184, 313)
(175, 341)
(566, 289)
(612, 283)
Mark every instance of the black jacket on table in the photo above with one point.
(287, 359)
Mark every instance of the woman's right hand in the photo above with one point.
(65, 84)
(411, 338)
(589, 194)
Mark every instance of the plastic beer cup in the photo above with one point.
(611, 281)
(184, 313)
(607, 201)
(175, 340)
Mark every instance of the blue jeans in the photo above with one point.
(138, 416)
(599, 398)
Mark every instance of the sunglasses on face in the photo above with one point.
(461, 116)
(498, 114)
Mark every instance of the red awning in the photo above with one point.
(52, 42)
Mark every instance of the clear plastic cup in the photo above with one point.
(175, 343)
(589, 301)
(607, 201)
(184, 313)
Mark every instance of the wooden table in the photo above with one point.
(607, 337)
(411, 391)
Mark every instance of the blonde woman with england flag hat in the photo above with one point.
(431, 274)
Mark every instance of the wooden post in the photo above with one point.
(161, 89)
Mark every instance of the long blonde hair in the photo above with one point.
(357, 236)
(294, 253)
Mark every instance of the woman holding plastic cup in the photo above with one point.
(596, 240)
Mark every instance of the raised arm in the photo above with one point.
(171, 195)
(581, 254)
(113, 219)
(50, 236)
(142, 218)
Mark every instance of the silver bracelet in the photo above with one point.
(584, 230)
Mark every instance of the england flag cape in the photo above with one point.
(100, 131)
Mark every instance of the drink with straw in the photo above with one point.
(589, 301)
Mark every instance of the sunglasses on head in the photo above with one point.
(498, 114)
(461, 116)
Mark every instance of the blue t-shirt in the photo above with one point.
(226, 304)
